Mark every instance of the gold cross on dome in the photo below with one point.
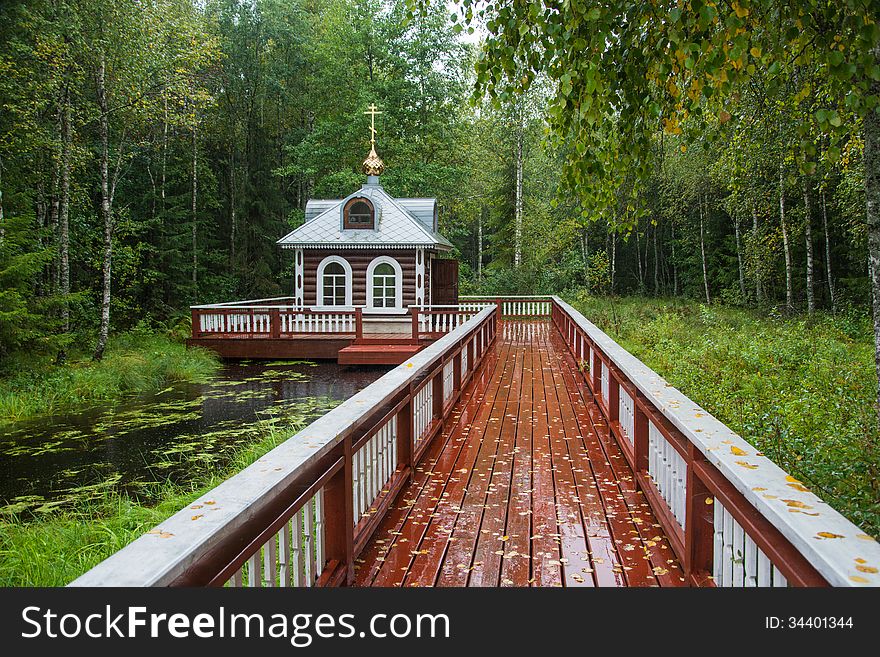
(372, 110)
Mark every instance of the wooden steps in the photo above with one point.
(377, 353)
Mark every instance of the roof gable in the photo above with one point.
(395, 224)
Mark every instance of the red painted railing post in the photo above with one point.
(456, 375)
(359, 322)
(275, 322)
(699, 531)
(640, 438)
(405, 437)
(613, 397)
(339, 517)
(196, 323)
(415, 324)
(437, 395)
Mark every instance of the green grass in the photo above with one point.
(799, 389)
(134, 362)
(55, 549)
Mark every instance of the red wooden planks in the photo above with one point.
(524, 486)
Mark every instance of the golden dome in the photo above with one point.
(373, 165)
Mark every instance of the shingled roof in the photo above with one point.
(395, 227)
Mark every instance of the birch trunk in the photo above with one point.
(480, 244)
(106, 211)
(54, 208)
(518, 201)
(871, 132)
(194, 209)
(656, 266)
(759, 293)
(808, 237)
(739, 260)
(233, 220)
(789, 291)
(64, 215)
(639, 259)
(703, 254)
(674, 265)
(828, 254)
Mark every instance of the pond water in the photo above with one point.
(173, 434)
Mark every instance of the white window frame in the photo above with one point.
(319, 298)
(398, 286)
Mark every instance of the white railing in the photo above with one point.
(626, 413)
(294, 556)
(253, 321)
(668, 470)
(373, 465)
(423, 412)
(738, 561)
(516, 306)
(448, 371)
(606, 384)
(323, 322)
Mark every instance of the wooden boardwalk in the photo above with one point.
(525, 487)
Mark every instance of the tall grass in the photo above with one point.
(135, 362)
(55, 549)
(799, 389)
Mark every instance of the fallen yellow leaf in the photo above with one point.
(828, 535)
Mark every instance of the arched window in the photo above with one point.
(384, 284)
(358, 214)
(334, 282)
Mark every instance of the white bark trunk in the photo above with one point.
(194, 208)
(759, 294)
(789, 290)
(871, 132)
(518, 201)
(106, 211)
(828, 254)
(674, 265)
(480, 245)
(808, 238)
(703, 253)
(739, 260)
(64, 213)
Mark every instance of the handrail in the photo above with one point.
(247, 303)
(301, 514)
(734, 518)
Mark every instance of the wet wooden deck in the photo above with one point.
(525, 487)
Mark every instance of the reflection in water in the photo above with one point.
(171, 434)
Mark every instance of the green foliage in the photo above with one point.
(800, 391)
(137, 361)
